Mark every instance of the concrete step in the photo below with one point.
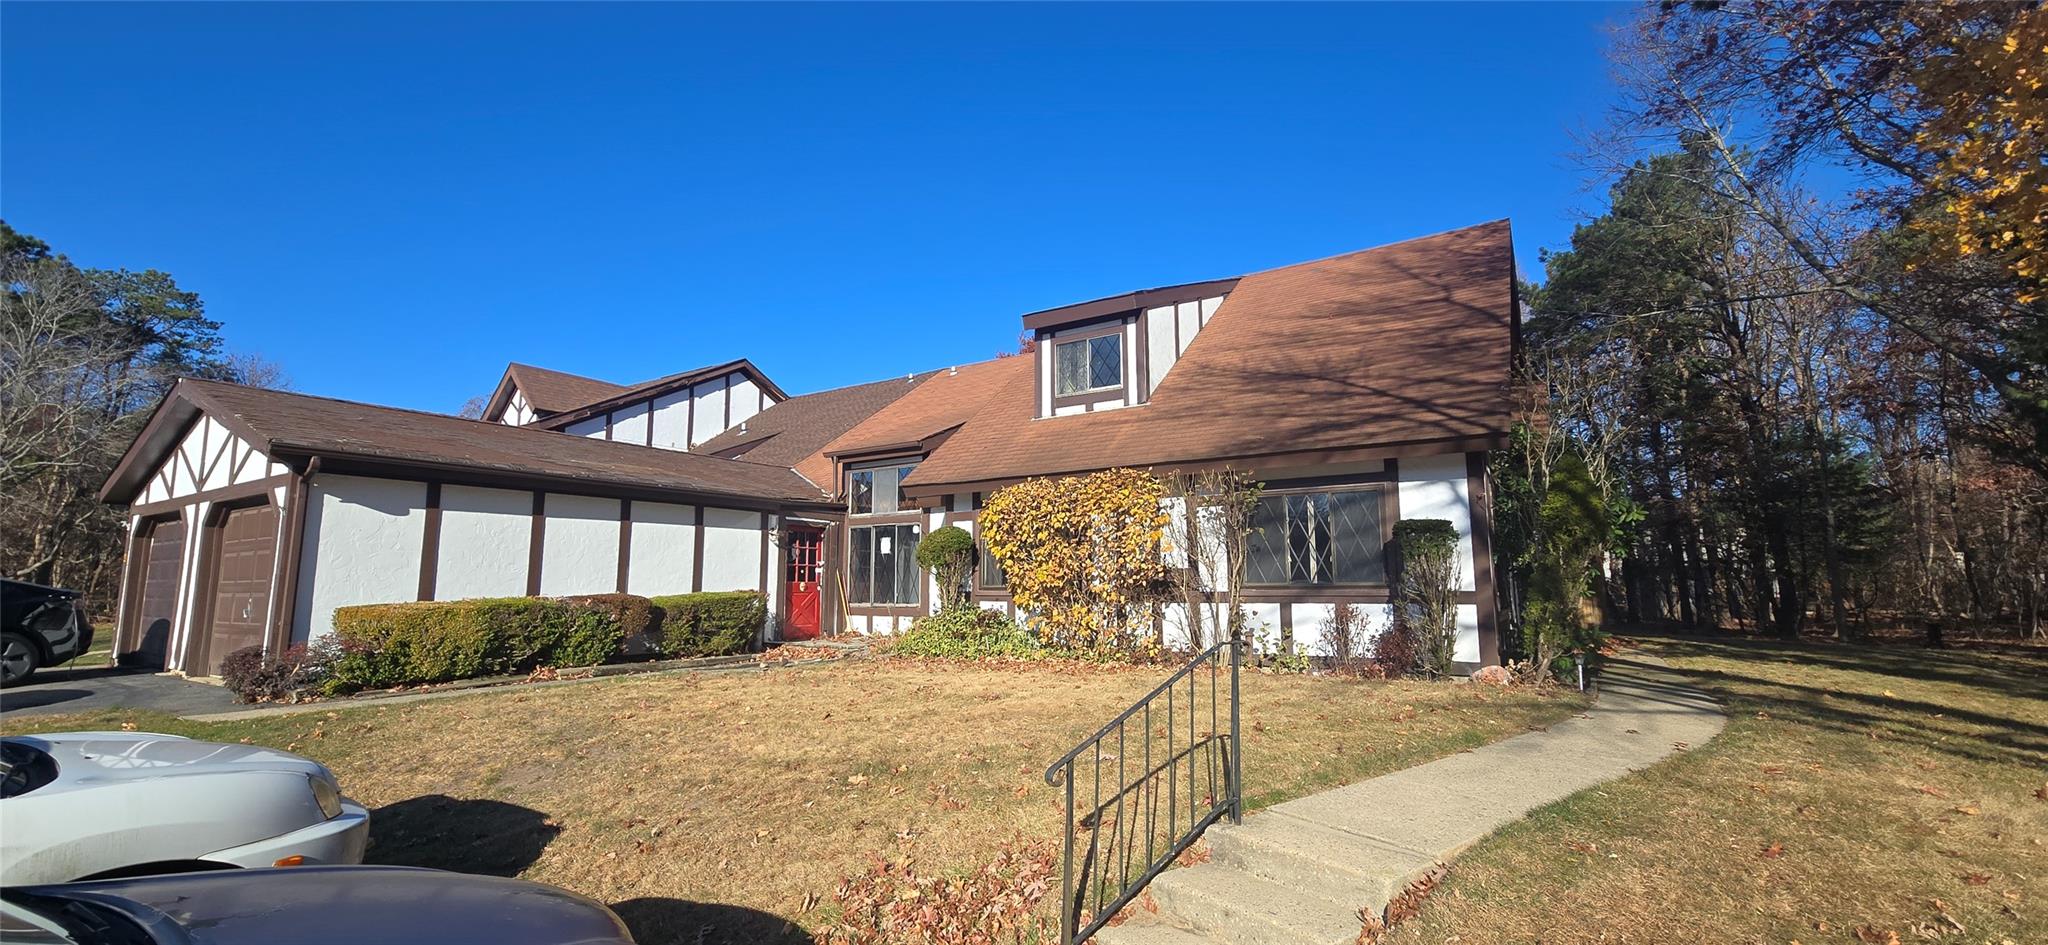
(1231, 905)
(1308, 856)
(1139, 932)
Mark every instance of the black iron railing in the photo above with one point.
(1170, 768)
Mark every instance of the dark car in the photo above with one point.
(39, 626)
(306, 905)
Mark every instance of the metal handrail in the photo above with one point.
(1212, 753)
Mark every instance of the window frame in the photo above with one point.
(1385, 496)
(1089, 336)
(897, 559)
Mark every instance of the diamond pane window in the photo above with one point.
(1088, 364)
(860, 491)
(1309, 538)
(1105, 362)
(860, 584)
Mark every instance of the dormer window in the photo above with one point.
(1088, 365)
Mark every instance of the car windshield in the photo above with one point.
(23, 768)
(56, 920)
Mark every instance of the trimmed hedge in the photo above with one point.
(386, 645)
(711, 623)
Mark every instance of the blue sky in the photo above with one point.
(392, 201)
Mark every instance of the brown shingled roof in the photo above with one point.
(795, 431)
(1404, 343)
(555, 391)
(936, 406)
(665, 384)
(288, 424)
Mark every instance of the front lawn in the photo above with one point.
(1858, 795)
(711, 808)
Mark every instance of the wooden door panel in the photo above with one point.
(805, 573)
(241, 594)
(163, 555)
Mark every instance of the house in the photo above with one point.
(1360, 389)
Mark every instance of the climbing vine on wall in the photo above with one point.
(1082, 555)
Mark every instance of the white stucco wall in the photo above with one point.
(732, 550)
(207, 457)
(664, 543)
(629, 424)
(362, 546)
(746, 398)
(709, 405)
(580, 548)
(485, 537)
(672, 420)
(593, 427)
(1434, 487)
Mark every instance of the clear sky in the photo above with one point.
(392, 201)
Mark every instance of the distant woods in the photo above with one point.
(1804, 408)
(84, 354)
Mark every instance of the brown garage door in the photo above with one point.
(158, 606)
(241, 595)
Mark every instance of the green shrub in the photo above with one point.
(711, 623)
(386, 645)
(1428, 599)
(948, 553)
(968, 633)
(627, 627)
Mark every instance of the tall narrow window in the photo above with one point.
(860, 491)
(1090, 364)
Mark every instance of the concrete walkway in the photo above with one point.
(1301, 872)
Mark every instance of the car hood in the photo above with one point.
(121, 756)
(351, 905)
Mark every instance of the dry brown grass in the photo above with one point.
(1858, 795)
(725, 804)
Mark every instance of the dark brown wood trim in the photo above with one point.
(534, 546)
(651, 391)
(430, 543)
(1319, 594)
(728, 405)
(456, 474)
(1141, 372)
(775, 616)
(1115, 304)
(1390, 514)
(832, 610)
(298, 500)
(132, 569)
(697, 555)
(626, 538)
(1479, 504)
(1247, 461)
(1286, 628)
(607, 426)
(689, 418)
(222, 494)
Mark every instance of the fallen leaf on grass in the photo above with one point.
(1932, 792)
(2041, 793)
(1872, 935)
(1772, 852)
(1975, 879)
(1967, 810)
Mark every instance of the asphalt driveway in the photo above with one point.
(89, 688)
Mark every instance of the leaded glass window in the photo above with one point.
(1310, 538)
(1088, 364)
(884, 569)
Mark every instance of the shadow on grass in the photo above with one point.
(1940, 727)
(2016, 671)
(491, 838)
(657, 921)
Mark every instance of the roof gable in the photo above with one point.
(546, 391)
(284, 425)
(796, 431)
(1405, 343)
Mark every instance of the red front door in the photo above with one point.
(806, 569)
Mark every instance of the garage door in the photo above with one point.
(241, 595)
(162, 553)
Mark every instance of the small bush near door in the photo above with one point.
(967, 633)
(385, 645)
(712, 623)
(254, 677)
